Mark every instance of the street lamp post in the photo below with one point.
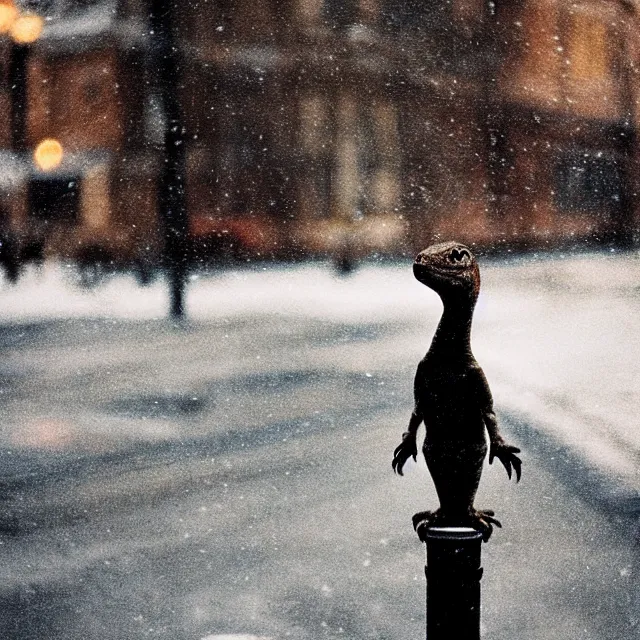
(628, 135)
(24, 31)
(172, 202)
(18, 83)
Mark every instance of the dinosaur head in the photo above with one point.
(450, 269)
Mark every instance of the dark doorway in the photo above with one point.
(54, 199)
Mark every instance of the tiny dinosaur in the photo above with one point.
(453, 399)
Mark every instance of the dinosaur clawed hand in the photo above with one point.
(506, 453)
(405, 450)
(482, 521)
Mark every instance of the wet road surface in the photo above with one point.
(235, 477)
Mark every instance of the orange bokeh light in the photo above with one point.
(48, 154)
(26, 28)
(8, 15)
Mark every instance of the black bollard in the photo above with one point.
(453, 583)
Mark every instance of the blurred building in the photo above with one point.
(84, 86)
(346, 127)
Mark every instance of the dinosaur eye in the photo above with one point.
(460, 256)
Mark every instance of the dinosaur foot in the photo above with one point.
(425, 519)
(482, 521)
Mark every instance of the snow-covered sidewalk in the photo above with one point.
(560, 342)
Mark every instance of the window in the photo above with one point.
(403, 14)
(314, 124)
(93, 92)
(588, 44)
(40, 6)
(320, 181)
(368, 159)
(588, 182)
(247, 163)
(245, 157)
(316, 144)
(340, 14)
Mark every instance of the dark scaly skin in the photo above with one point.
(453, 399)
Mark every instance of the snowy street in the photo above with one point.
(232, 474)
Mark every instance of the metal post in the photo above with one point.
(172, 200)
(627, 138)
(453, 583)
(490, 110)
(18, 85)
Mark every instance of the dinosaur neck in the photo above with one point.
(453, 335)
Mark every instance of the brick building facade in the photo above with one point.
(325, 126)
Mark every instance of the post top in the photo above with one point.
(453, 533)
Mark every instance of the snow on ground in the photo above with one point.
(558, 336)
(560, 344)
(235, 637)
(373, 293)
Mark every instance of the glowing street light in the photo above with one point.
(26, 28)
(48, 155)
(8, 16)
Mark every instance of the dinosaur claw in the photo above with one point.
(405, 450)
(422, 521)
(507, 455)
(485, 521)
(517, 465)
(420, 517)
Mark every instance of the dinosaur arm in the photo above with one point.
(506, 453)
(499, 448)
(407, 448)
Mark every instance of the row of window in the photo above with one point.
(399, 14)
(341, 14)
(582, 182)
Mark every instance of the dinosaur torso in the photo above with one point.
(455, 444)
(442, 396)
